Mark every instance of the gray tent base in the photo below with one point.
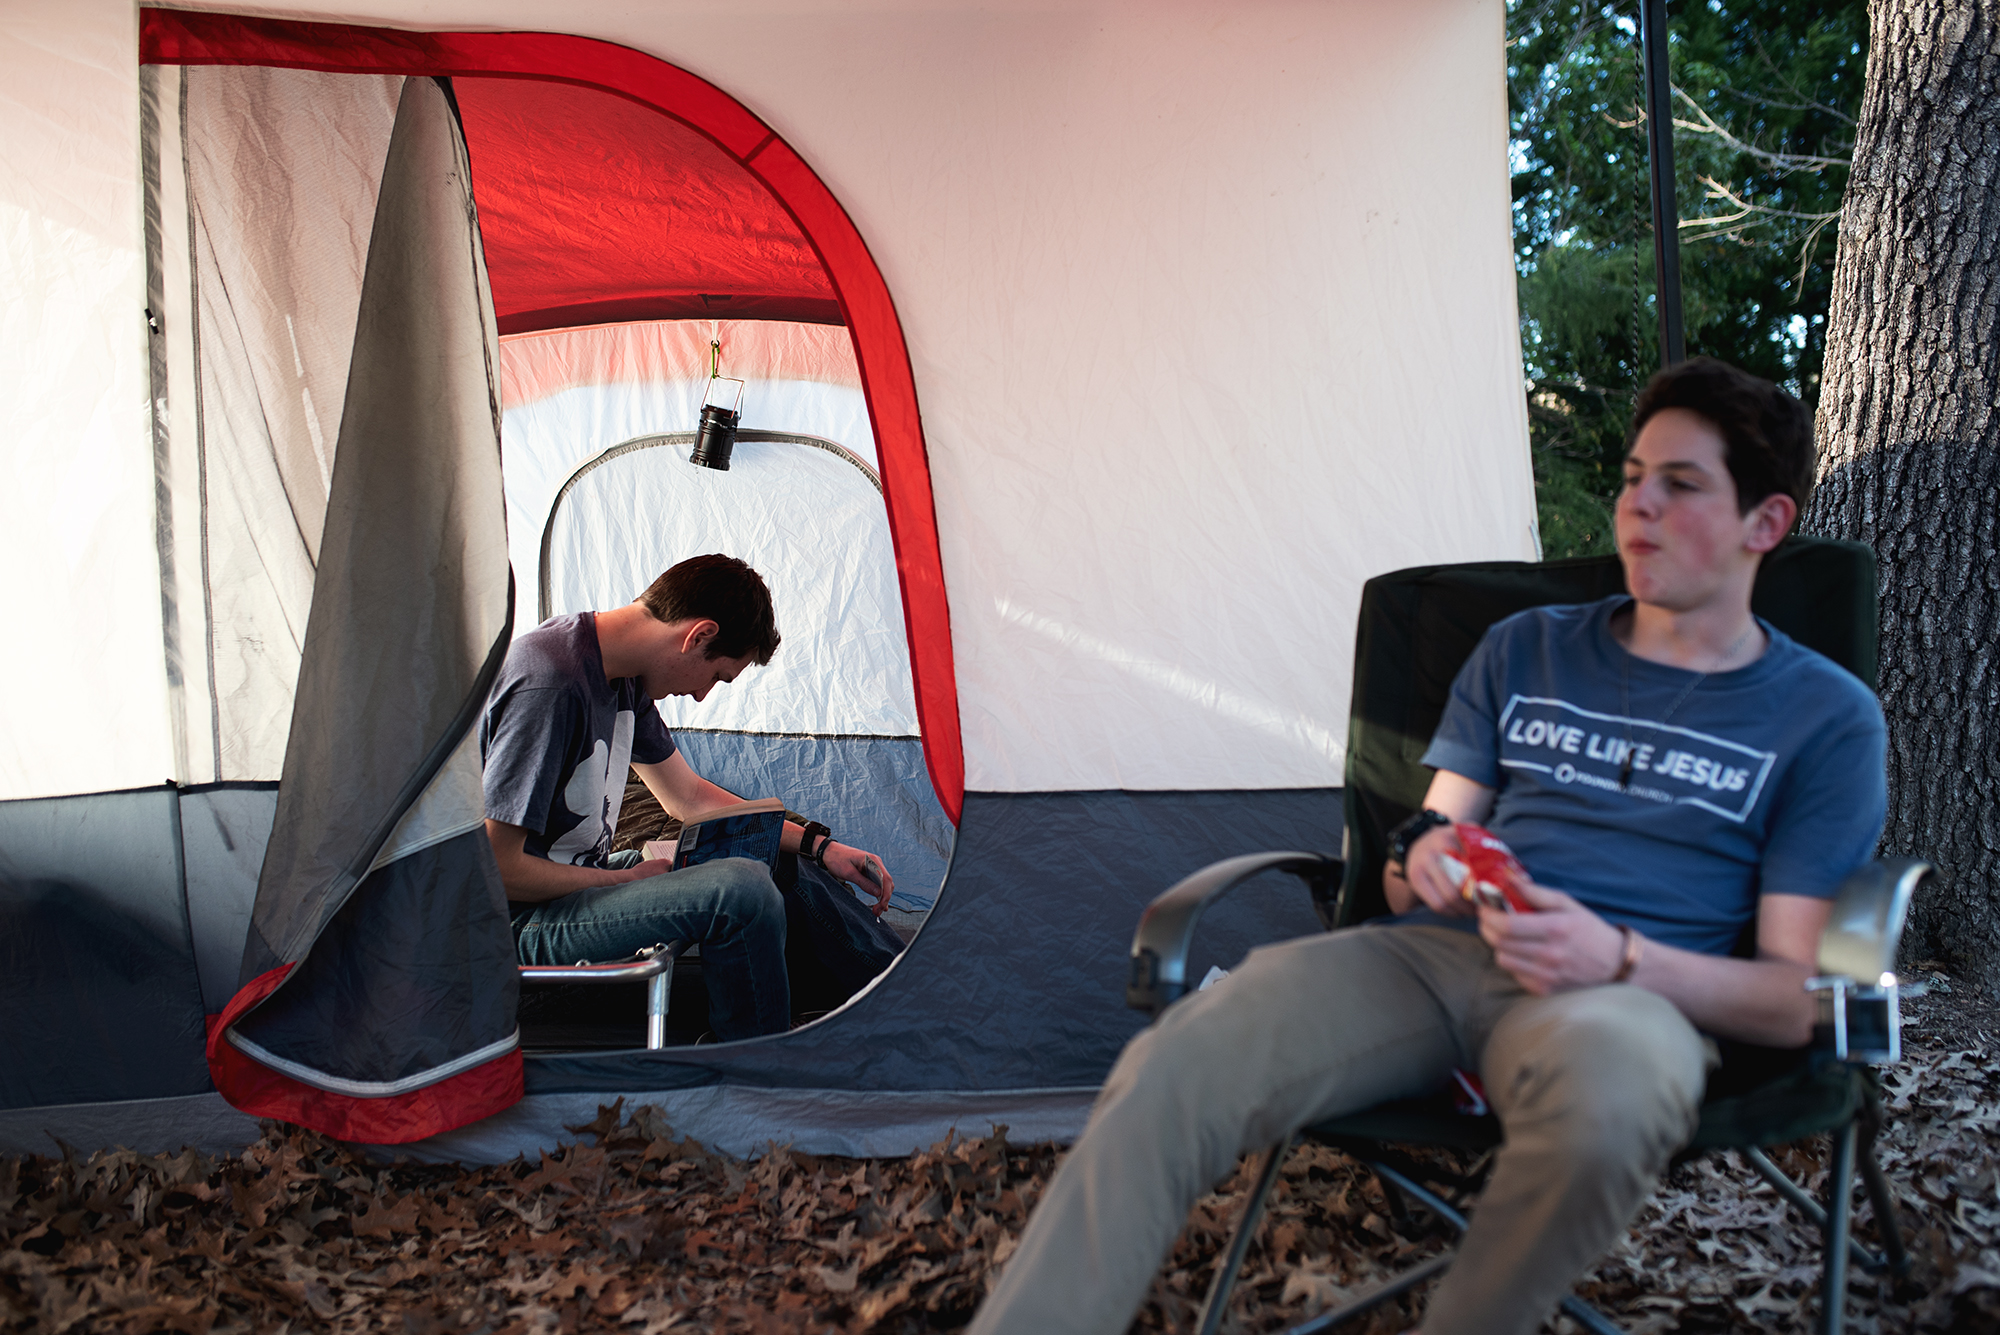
(740, 1120)
(149, 1126)
(746, 1121)
(1008, 1007)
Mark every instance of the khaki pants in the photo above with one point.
(1597, 1088)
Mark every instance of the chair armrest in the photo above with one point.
(1867, 921)
(1860, 1011)
(648, 963)
(1166, 929)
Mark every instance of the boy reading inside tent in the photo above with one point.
(571, 709)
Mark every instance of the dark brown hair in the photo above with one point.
(1767, 434)
(720, 589)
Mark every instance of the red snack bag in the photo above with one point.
(1492, 875)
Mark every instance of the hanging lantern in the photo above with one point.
(715, 439)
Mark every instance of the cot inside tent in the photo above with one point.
(597, 428)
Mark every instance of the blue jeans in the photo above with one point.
(846, 943)
(729, 906)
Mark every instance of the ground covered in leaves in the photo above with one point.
(636, 1231)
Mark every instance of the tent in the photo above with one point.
(1169, 328)
(598, 424)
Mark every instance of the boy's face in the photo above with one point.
(1679, 532)
(680, 664)
(693, 674)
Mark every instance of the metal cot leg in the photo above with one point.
(657, 991)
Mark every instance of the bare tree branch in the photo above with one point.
(1733, 225)
(1776, 105)
(1783, 162)
(1764, 58)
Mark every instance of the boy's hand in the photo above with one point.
(1562, 945)
(1425, 872)
(858, 867)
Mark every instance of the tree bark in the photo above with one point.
(1909, 435)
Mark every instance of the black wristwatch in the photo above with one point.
(1411, 830)
(815, 851)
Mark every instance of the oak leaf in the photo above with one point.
(384, 1219)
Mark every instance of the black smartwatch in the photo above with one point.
(1411, 830)
(812, 843)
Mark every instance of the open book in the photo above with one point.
(739, 830)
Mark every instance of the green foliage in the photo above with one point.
(1762, 137)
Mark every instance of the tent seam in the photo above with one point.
(373, 1089)
(200, 430)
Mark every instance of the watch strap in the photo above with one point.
(812, 843)
(1411, 830)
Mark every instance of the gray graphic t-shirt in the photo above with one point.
(557, 737)
(1765, 780)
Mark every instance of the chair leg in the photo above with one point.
(1588, 1317)
(1887, 1222)
(1232, 1260)
(1401, 1284)
(1809, 1207)
(1839, 1196)
(1396, 1182)
(1430, 1200)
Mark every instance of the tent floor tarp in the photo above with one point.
(740, 1120)
(746, 1121)
(146, 1126)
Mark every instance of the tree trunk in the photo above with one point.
(1909, 434)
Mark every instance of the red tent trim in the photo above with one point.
(254, 1088)
(183, 37)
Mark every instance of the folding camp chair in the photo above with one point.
(1417, 627)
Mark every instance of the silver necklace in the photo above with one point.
(1625, 694)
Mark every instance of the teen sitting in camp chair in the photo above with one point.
(1669, 770)
(572, 706)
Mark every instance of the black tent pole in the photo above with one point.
(1660, 159)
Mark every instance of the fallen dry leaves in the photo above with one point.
(637, 1232)
(630, 1230)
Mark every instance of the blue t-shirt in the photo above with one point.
(557, 737)
(1766, 780)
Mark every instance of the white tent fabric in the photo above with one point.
(1210, 315)
(1210, 311)
(279, 170)
(86, 698)
(810, 521)
(806, 519)
(571, 394)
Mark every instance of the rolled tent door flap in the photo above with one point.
(377, 994)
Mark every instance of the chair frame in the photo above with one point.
(1822, 592)
(1865, 927)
